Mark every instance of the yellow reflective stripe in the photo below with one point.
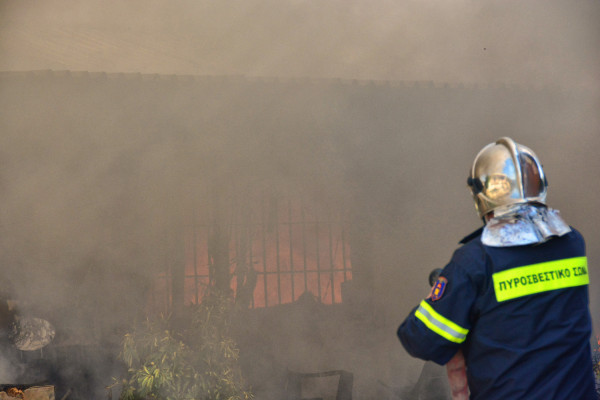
(440, 324)
(542, 277)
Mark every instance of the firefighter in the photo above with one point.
(513, 300)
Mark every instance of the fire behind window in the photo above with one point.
(268, 253)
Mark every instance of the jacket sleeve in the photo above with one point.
(435, 329)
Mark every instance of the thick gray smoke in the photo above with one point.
(154, 108)
(528, 42)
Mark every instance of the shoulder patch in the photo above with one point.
(438, 288)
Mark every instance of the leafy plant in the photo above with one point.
(197, 361)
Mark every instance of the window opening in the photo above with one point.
(273, 250)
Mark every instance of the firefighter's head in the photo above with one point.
(506, 173)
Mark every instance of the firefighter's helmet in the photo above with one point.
(506, 173)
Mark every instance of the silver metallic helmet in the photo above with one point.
(506, 173)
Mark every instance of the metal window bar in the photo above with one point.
(277, 258)
(195, 255)
(256, 233)
(251, 261)
(331, 265)
(168, 284)
(318, 257)
(264, 251)
(291, 248)
(343, 235)
(319, 270)
(304, 246)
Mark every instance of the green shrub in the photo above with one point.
(198, 360)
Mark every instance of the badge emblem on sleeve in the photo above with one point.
(438, 288)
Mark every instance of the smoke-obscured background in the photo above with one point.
(531, 42)
(117, 119)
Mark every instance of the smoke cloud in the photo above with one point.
(120, 121)
(533, 42)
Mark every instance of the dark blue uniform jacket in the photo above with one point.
(520, 314)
